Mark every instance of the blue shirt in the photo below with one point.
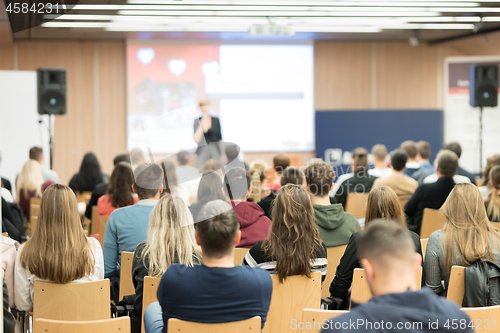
(126, 228)
(214, 294)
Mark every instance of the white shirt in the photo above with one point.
(339, 182)
(9, 254)
(457, 179)
(380, 173)
(189, 178)
(24, 281)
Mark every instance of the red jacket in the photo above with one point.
(254, 225)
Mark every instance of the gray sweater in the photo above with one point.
(435, 269)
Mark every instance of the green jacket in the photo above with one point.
(334, 225)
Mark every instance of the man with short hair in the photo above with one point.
(426, 168)
(379, 153)
(457, 149)
(387, 254)
(432, 195)
(403, 185)
(412, 165)
(335, 226)
(187, 176)
(233, 153)
(254, 225)
(128, 226)
(36, 153)
(216, 291)
(280, 162)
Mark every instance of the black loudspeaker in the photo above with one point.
(51, 91)
(483, 87)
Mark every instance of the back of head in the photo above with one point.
(281, 162)
(399, 157)
(231, 152)
(319, 178)
(183, 157)
(258, 172)
(236, 183)
(490, 163)
(170, 236)
(120, 185)
(36, 153)
(58, 229)
(360, 160)
(121, 158)
(454, 147)
(210, 187)
(147, 180)
(30, 178)
(447, 162)
(411, 148)
(292, 175)
(90, 170)
(467, 226)
(379, 151)
(424, 149)
(493, 200)
(137, 157)
(386, 245)
(293, 238)
(383, 203)
(217, 229)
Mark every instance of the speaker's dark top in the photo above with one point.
(213, 134)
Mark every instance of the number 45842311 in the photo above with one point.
(37, 8)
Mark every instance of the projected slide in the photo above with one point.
(263, 95)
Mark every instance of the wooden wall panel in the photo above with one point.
(112, 102)
(342, 76)
(406, 77)
(7, 58)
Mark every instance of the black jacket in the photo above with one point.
(13, 221)
(6, 184)
(266, 203)
(358, 183)
(98, 192)
(431, 195)
(345, 270)
(212, 135)
(482, 284)
(463, 172)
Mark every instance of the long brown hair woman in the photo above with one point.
(467, 236)
(58, 250)
(293, 246)
(383, 203)
(493, 199)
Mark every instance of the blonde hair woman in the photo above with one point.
(170, 240)
(258, 173)
(467, 236)
(30, 184)
(493, 199)
(58, 250)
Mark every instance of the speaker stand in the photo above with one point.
(480, 139)
(51, 141)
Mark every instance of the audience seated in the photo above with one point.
(9, 322)
(280, 163)
(492, 161)
(127, 226)
(254, 225)
(334, 225)
(58, 250)
(101, 188)
(216, 291)
(457, 178)
(9, 253)
(210, 189)
(171, 184)
(292, 231)
(36, 153)
(291, 175)
(119, 193)
(466, 236)
(30, 184)
(233, 153)
(387, 254)
(5, 183)
(493, 200)
(137, 158)
(457, 149)
(359, 182)
(381, 170)
(432, 195)
(382, 204)
(258, 181)
(13, 221)
(170, 241)
(89, 175)
(423, 155)
(412, 165)
(403, 185)
(188, 176)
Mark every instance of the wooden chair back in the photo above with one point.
(356, 204)
(456, 285)
(334, 254)
(103, 222)
(149, 289)
(239, 255)
(289, 299)
(360, 292)
(479, 182)
(496, 225)
(72, 301)
(94, 221)
(244, 326)
(485, 317)
(114, 325)
(126, 283)
(432, 220)
(5, 234)
(402, 202)
(83, 197)
(313, 319)
(423, 246)
(34, 210)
